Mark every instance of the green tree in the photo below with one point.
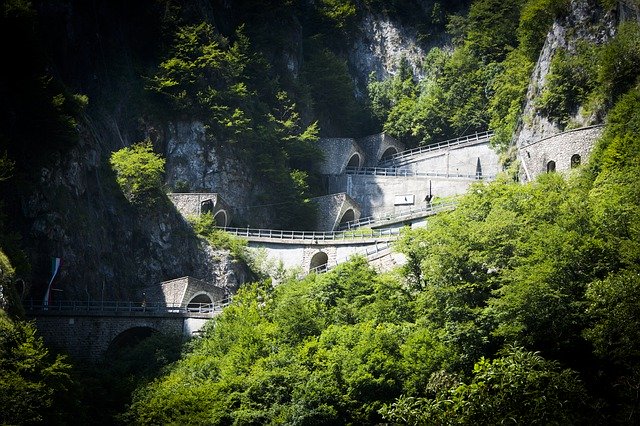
(138, 172)
(35, 387)
(520, 387)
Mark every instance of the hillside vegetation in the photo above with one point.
(520, 306)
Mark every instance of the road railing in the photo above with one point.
(395, 172)
(124, 306)
(397, 215)
(304, 236)
(449, 143)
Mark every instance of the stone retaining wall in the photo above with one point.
(535, 157)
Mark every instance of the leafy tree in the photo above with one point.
(620, 61)
(35, 387)
(138, 172)
(519, 387)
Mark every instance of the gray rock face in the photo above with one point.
(584, 22)
(379, 48)
(204, 166)
(109, 248)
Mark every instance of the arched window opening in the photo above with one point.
(551, 166)
(206, 207)
(348, 216)
(220, 219)
(389, 153)
(354, 161)
(128, 339)
(575, 160)
(319, 262)
(201, 302)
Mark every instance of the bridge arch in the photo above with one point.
(221, 218)
(128, 339)
(355, 161)
(319, 262)
(206, 206)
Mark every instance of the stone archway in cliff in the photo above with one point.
(319, 262)
(128, 339)
(389, 153)
(348, 216)
(354, 161)
(206, 207)
(220, 219)
(200, 301)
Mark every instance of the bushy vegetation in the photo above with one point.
(204, 225)
(139, 172)
(35, 386)
(230, 87)
(520, 306)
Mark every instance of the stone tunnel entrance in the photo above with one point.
(319, 262)
(220, 219)
(198, 301)
(354, 161)
(128, 339)
(389, 153)
(348, 216)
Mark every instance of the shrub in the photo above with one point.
(138, 172)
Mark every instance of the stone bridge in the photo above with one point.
(90, 332)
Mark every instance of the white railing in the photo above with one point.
(394, 172)
(368, 252)
(397, 215)
(450, 143)
(275, 234)
(124, 306)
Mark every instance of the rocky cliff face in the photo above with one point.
(197, 164)
(586, 21)
(379, 48)
(108, 247)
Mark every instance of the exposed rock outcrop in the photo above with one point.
(585, 21)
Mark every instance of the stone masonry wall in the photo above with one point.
(535, 157)
(337, 153)
(375, 146)
(88, 337)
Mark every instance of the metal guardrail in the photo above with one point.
(449, 143)
(397, 215)
(122, 306)
(276, 234)
(394, 172)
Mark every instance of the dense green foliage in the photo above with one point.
(230, 87)
(205, 226)
(482, 83)
(521, 305)
(139, 172)
(35, 386)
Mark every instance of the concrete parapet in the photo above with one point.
(197, 203)
(335, 209)
(381, 194)
(560, 152)
(479, 159)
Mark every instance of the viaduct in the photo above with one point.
(374, 188)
